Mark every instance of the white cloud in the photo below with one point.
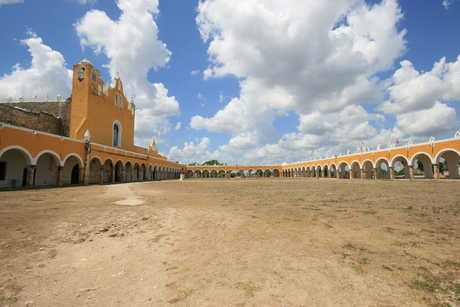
(131, 43)
(10, 1)
(411, 91)
(316, 58)
(437, 120)
(47, 74)
(195, 72)
(447, 3)
(85, 1)
(178, 126)
(195, 153)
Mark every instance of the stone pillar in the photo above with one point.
(412, 172)
(328, 174)
(81, 177)
(87, 163)
(132, 174)
(101, 175)
(113, 173)
(123, 174)
(60, 176)
(436, 171)
(30, 175)
(392, 173)
(376, 173)
(352, 175)
(361, 172)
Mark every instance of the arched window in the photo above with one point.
(121, 101)
(116, 99)
(94, 75)
(99, 89)
(115, 135)
(81, 73)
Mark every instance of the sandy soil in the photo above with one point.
(233, 242)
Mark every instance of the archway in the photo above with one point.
(344, 171)
(368, 169)
(449, 168)
(14, 164)
(422, 163)
(46, 170)
(400, 167)
(355, 171)
(129, 171)
(383, 167)
(71, 171)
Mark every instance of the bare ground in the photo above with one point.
(233, 242)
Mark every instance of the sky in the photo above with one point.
(250, 81)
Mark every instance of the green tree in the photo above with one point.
(212, 162)
(420, 165)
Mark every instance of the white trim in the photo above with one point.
(42, 133)
(80, 161)
(27, 154)
(52, 153)
(395, 157)
(412, 159)
(120, 130)
(444, 150)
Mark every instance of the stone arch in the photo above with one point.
(119, 171)
(96, 170)
(46, 170)
(319, 170)
(451, 156)
(276, 172)
(427, 162)
(21, 149)
(79, 159)
(136, 170)
(342, 170)
(355, 170)
(368, 169)
(333, 170)
(383, 173)
(129, 171)
(403, 160)
(308, 171)
(50, 152)
(72, 169)
(14, 163)
(326, 171)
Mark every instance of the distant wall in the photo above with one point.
(52, 117)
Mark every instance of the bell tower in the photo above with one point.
(103, 110)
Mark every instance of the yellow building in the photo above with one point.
(90, 139)
(99, 146)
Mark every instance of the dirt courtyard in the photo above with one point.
(233, 242)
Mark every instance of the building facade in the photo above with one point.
(92, 144)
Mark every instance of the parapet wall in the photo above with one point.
(51, 117)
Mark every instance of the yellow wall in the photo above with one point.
(97, 113)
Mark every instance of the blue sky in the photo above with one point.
(252, 81)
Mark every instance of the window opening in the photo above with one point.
(115, 135)
(81, 73)
(2, 170)
(116, 99)
(94, 75)
(121, 101)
